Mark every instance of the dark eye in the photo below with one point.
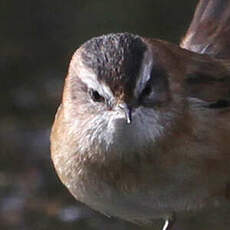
(147, 90)
(96, 96)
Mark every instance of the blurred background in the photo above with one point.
(37, 40)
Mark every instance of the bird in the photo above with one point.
(142, 132)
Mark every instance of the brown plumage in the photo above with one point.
(173, 155)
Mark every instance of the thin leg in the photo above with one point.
(169, 223)
(166, 224)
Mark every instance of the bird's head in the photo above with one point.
(122, 87)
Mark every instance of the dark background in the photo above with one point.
(37, 40)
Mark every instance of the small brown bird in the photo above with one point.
(143, 128)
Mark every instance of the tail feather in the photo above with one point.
(209, 31)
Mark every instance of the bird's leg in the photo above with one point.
(169, 222)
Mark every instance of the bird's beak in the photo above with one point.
(128, 112)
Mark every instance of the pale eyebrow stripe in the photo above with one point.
(90, 79)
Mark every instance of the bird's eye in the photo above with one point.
(147, 90)
(96, 96)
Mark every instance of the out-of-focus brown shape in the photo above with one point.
(209, 31)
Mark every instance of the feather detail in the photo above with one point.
(209, 31)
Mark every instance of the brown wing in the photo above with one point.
(209, 31)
